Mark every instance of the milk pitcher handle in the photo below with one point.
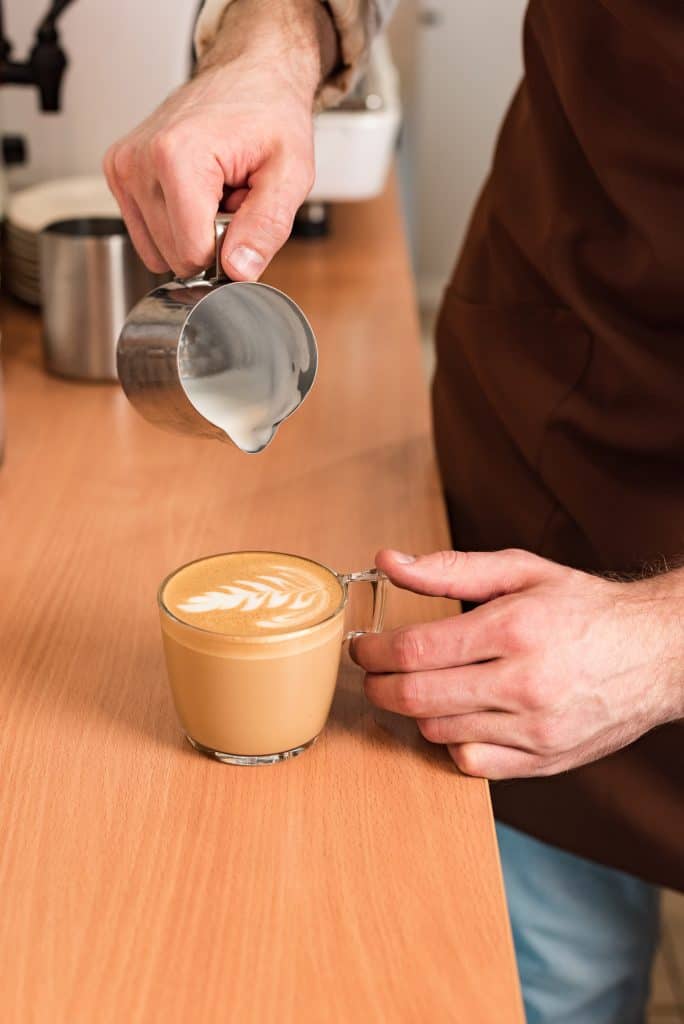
(221, 222)
(377, 581)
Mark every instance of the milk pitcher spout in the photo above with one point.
(217, 358)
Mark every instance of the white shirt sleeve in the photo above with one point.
(357, 23)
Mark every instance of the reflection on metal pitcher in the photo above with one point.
(218, 358)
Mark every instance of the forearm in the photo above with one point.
(297, 36)
(342, 32)
(659, 603)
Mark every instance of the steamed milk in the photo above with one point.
(253, 650)
(244, 361)
(247, 406)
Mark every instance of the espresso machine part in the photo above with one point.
(46, 62)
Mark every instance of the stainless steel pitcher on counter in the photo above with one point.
(90, 276)
(217, 358)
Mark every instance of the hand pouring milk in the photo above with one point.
(217, 358)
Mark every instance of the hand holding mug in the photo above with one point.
(555, 667)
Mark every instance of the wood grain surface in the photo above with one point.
(140, 881)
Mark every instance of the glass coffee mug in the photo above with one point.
(253, 641)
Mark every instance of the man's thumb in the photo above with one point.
(260, 226)
(467, 575)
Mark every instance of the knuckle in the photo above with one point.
(520, 560)
(509, 683)
(432, 729)
(524, 624)
(533, 692)
(543, 734)
(155, 264)
(190, 257)
(123, 162)
(297, 161)
(451, 560)
(360, 651)
(163, 150)
(108, 164)
(517, 563)
(372, 685)
(275, 225)
(518, 555)
(407, 648)
(407, 695)
(469, 760)
(514, 628)
(195, 256)
(183, 269)
(302, 176)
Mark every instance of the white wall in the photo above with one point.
(460, 61)
(125, 56)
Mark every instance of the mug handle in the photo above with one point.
(221, 222)
(378, 582)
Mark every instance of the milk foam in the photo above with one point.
(283, 600)
(245, 361)
(246, 406)
(248, 594)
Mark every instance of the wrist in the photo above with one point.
(294, 38)
(664, 596)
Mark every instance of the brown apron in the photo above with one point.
(559, 393)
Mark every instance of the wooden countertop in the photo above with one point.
(142, 882)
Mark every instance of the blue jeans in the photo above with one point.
(585, 935)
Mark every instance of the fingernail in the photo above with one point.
(246, 261)
(403, 559)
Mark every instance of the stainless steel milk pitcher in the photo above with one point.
(90, 276)
(217, 358)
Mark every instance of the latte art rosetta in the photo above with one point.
(247, 593)
(271, 601)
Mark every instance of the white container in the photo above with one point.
(355, 148)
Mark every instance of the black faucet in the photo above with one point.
(46, 62)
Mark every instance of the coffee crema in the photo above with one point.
(252, 593)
